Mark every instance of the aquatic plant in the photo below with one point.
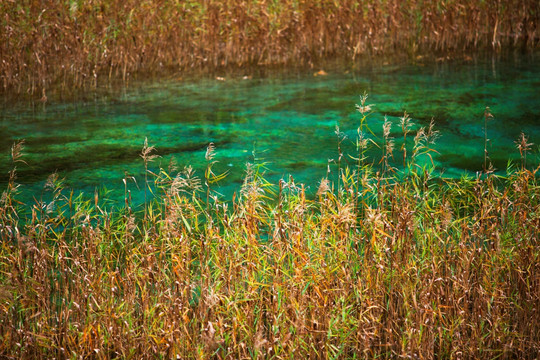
(392, 262)
(72, 43)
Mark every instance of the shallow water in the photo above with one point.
(285, 120)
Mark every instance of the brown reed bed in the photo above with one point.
(384, 263)
(46, 44)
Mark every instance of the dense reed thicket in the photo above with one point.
(73, 42)
(379, 263)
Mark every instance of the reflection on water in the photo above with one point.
(286, 120)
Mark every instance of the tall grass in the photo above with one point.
(73, 42)
(391, 263)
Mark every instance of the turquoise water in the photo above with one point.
(285, 119)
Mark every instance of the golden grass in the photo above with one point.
(72, 42)
(392, 263)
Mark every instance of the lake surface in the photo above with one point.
(284, 118)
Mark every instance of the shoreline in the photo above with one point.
(77, 45)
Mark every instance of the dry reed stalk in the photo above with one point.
(45, 44)
(393, 266)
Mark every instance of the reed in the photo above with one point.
(50, 44)
(392, 263)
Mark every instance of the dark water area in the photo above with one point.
(284, 119)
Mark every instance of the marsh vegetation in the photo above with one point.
(69, 43)
(384, 257)
(383, 261)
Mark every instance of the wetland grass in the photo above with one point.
(69, 43)
(389, 263)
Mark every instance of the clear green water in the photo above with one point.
(287, 119)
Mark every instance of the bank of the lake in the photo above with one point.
(381, 263)
(45, 44)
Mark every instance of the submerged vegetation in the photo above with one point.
(380, 262)
(73, 42)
